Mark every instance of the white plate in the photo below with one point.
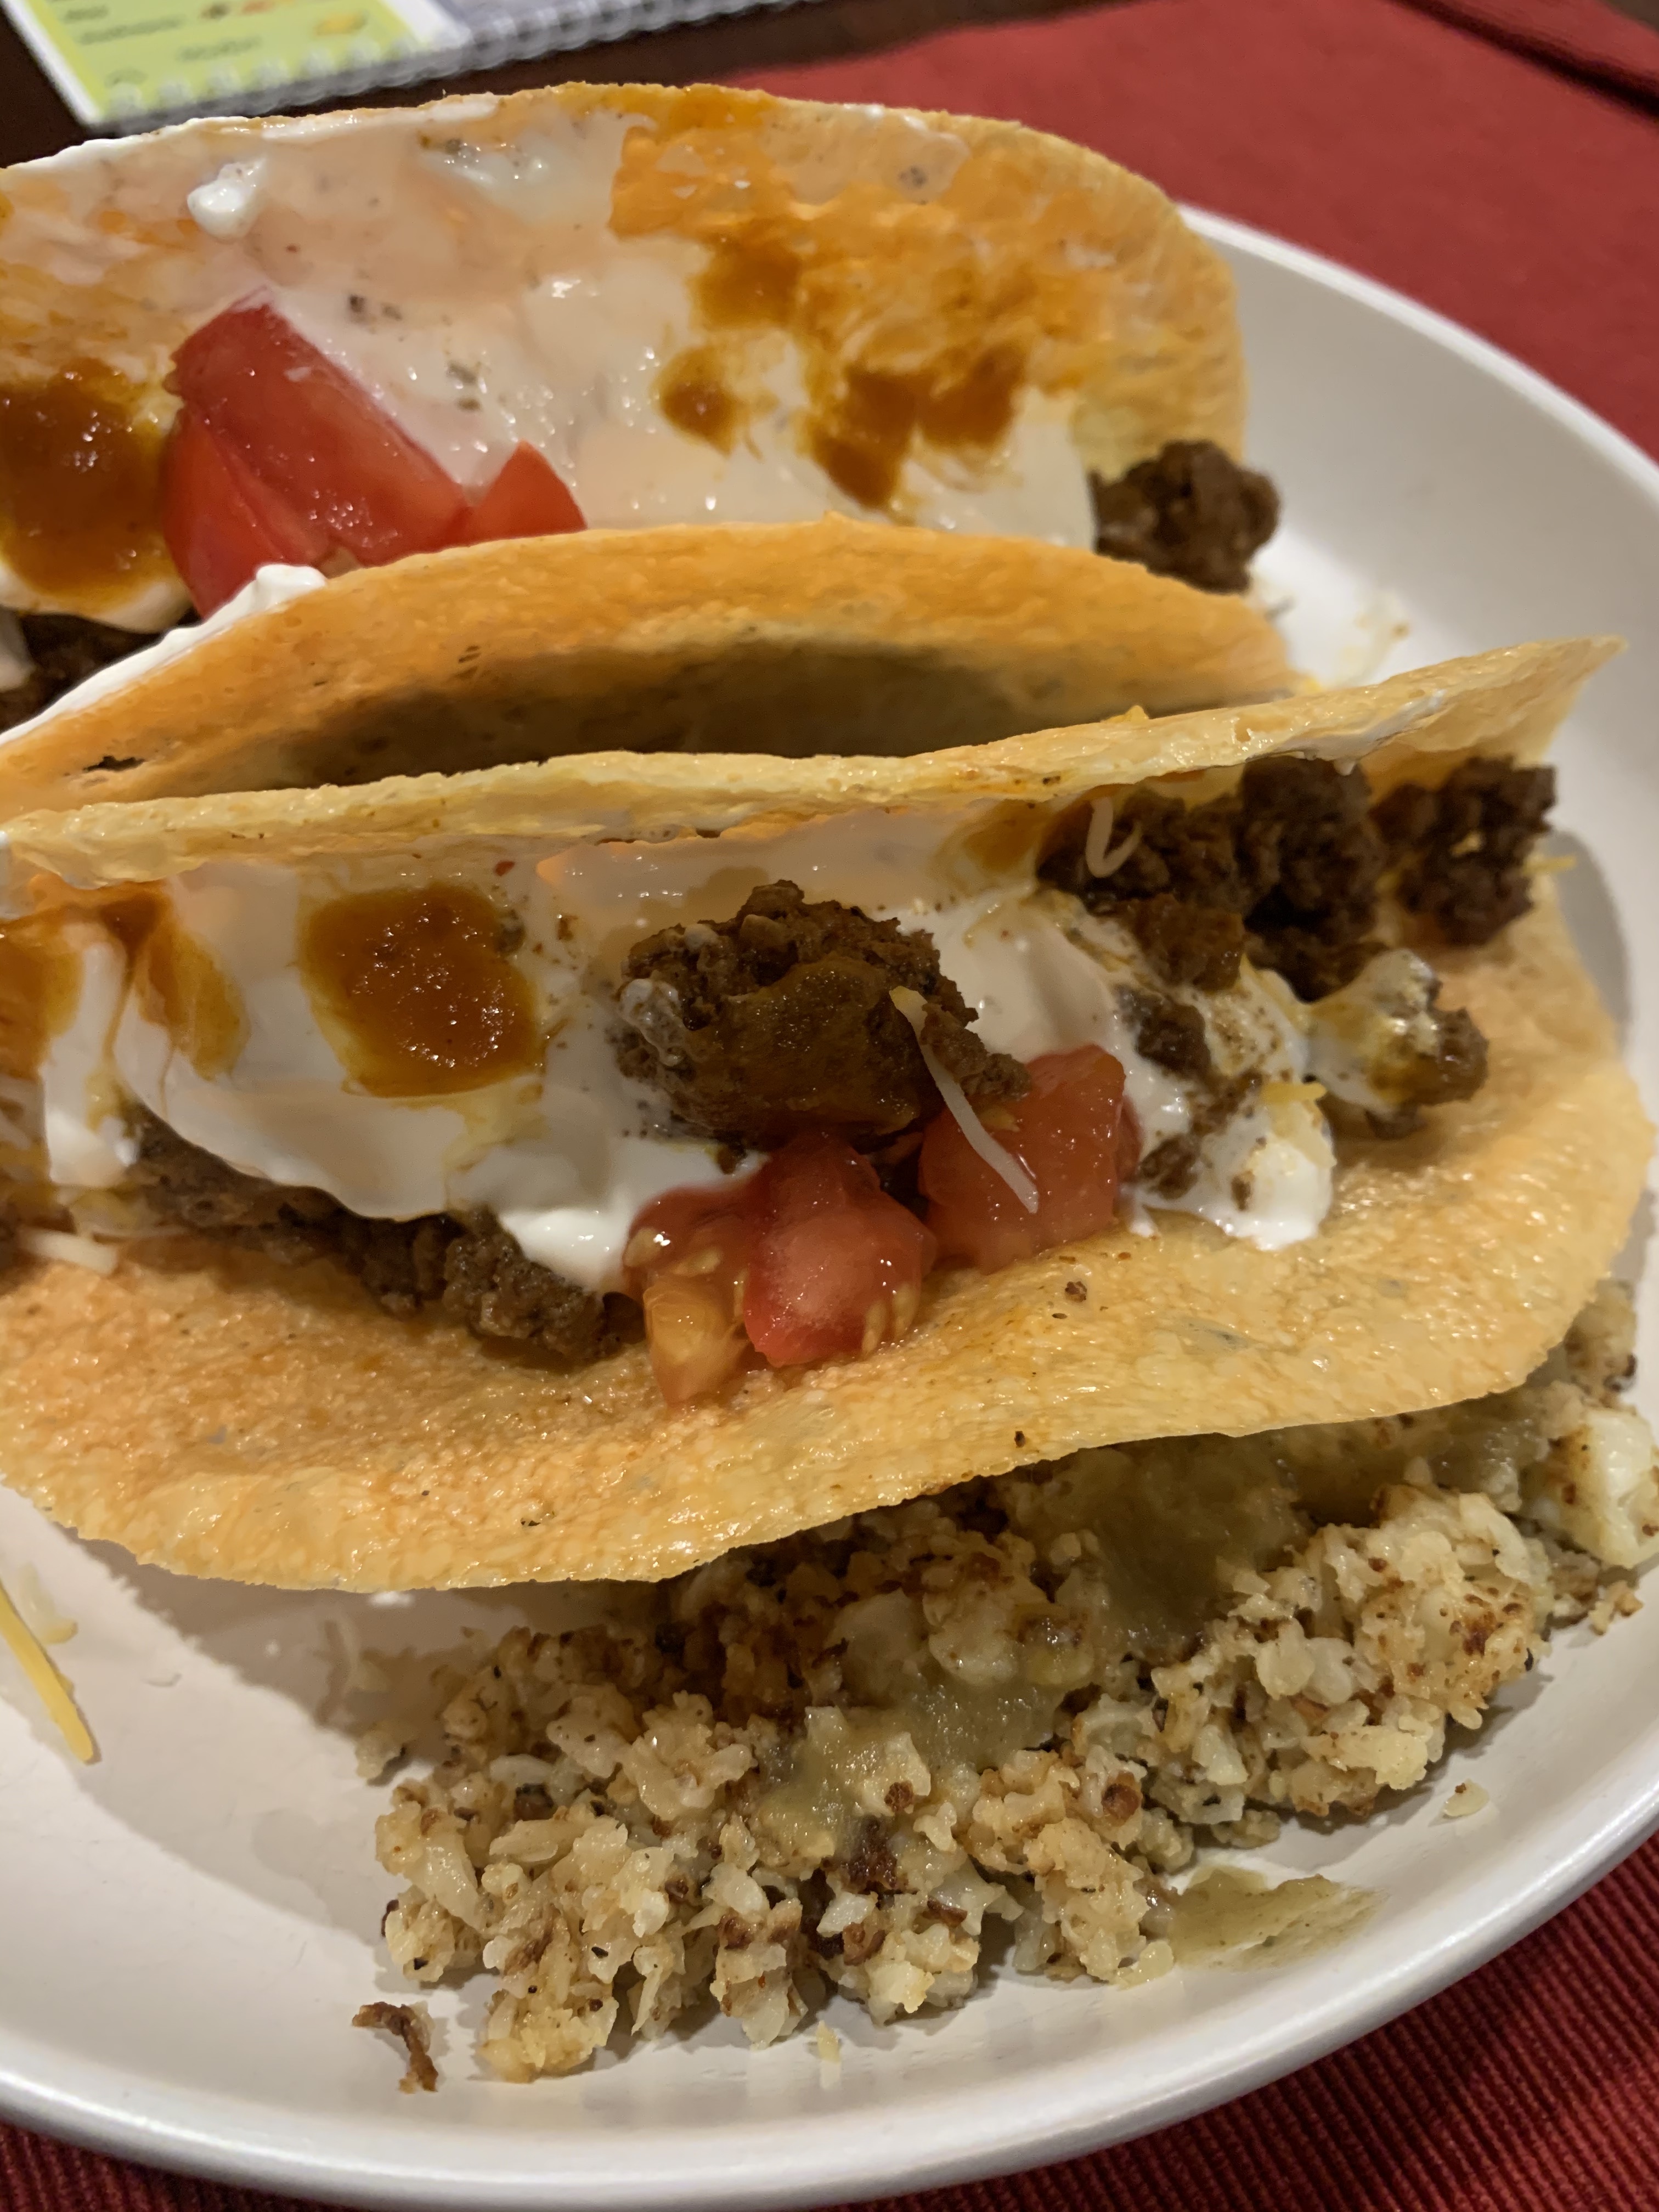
(189, 1925)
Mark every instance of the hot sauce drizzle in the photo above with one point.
(40, 989)
(417, 990)
(80, 487)
(178, 984)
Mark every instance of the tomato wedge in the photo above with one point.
(1074, 1134)
(316, 436)
(835, 1266)
(686, 1262)
(220, 522)
(526, 500)
(806, 1260)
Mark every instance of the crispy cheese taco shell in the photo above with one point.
(227, 1417)
(1415, 726)
(964, 264)
(785, 638)
(219, 1415)
(222, 1416)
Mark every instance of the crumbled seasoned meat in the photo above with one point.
(1458, 1067)
(490, 1285)
(781, 1020)
(1286, 866)
(1455, 1069)
(1187, 943)
(413, 2030)
(1167, 1033)
(65, 649)
(1385, 1044)
(402, 1264)
(1191, 512)
(187, 1185)
(1319, 858)
(1171, 1168)
(1461, 850)
(1201, 855)
(475, 1271)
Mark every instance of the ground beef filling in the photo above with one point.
(1461, 851)
(65, 649)
(1290, 867)
(1455, 1069)
(1191, 512)
(474, 1272)
(1172, 1168)
(1168, 1034)
(781, 1020)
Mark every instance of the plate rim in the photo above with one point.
(236, 2141)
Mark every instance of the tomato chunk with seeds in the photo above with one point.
(686, 1261)
(526, 500)
(808, 1259)
(835, 1266)
(316, 436)
(220, 522)
(1074, 1134)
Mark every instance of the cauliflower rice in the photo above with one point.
(831, 1763)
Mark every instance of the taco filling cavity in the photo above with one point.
(486, 1084)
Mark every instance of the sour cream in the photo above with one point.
(272, 586)
(86, 1141)
(565, 1154)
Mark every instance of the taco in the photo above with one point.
(779, 638)
(357, 1135)
(343, 340)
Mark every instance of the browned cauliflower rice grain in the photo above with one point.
(829, 1763)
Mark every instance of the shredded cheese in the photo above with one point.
(79, 1251)
(1114, 860)
(1097, 857)
(1001, 1161)
(48, 1683)
(1096, 844)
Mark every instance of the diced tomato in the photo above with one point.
(809, 1259)
(1074, 1134)
(526, 500)
(835, 1266)
(316, 436)
(686, 1262)
(219, 521)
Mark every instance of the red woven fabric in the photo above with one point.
(1524, 203)
(1584, 36)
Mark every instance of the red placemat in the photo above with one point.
(1583, 37)
(1519, 198)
